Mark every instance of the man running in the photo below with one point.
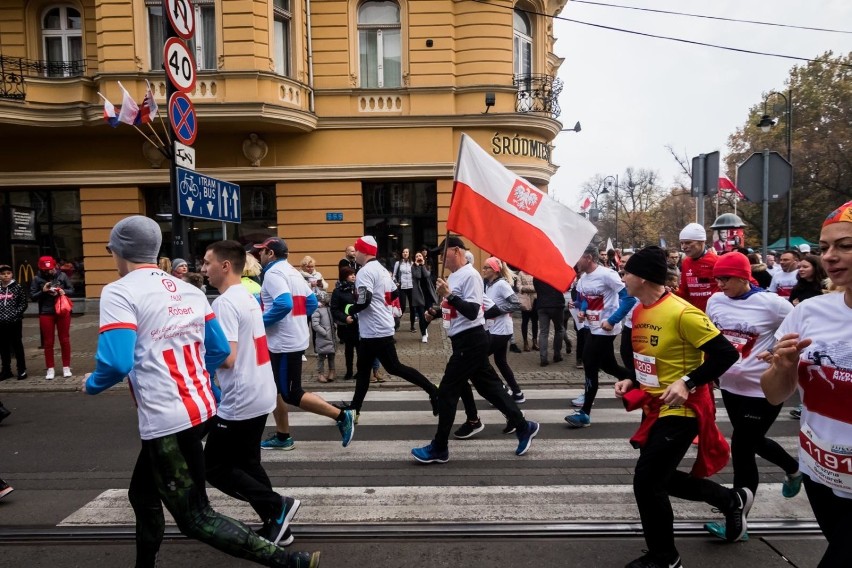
(696, 277)
(463, 317)
(161, 333)
(248, 396)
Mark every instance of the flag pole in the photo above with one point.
(455, 178)
(155, 134)
(162, 150)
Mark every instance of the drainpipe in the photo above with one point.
(310, 56)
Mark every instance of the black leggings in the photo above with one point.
(405, 299)
(626, 351)
(170, 472)
(421, 317)
(350, 342)
(498, 346)
(384, 349)
(751, 418)
(598, 354)
(526, 318)
(834, 516)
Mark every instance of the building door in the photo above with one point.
(401, 215)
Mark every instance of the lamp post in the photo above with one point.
(766, 123)
(608, 180)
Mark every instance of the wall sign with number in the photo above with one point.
(181, 17)
(179, 64)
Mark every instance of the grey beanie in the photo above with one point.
(178, 262)
(136, 238)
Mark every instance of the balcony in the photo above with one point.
(538, 93)
(14, 70)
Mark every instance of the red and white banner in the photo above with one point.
(585, 205)
(510, 218)
(725, 184)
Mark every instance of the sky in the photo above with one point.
(634, 95)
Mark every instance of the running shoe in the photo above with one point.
(579, 401)
(273, 443)
(50, 374)
(428, 454)
(66, 372)
(5, 489)
(519, 397)
(718, 530)
(468, 429)
(651, 560)
(525, 437)
(792, 485)
(796, 412)
(304, 560)
(736, 524)
(578, 420)
(279, 525)
(425, 337)
(346, 426)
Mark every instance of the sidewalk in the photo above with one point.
(429, 358)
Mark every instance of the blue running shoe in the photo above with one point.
(525, 437)
(428, 454)
(273, 443)
(718, 530)
(792, 485)
(578, 420)
(280, 523)
(347, 426)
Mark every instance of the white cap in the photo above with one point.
(805, 248)
(693, 232)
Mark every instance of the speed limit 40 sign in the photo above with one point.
(179, 64)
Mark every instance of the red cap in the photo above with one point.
(46, 263)
(367, 245)
(733, 264)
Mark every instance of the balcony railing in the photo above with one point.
(14, 70)
(538, 93)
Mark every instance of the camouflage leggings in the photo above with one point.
(170, 472)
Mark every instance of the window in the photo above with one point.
(62, 34)
(379, 45)
(203, 42)
(400, 215)
(522, 44)
(283, 16)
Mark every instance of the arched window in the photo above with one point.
(522, 44)
(379, 44)
(62, 34)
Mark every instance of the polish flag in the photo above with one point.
(515, 221)
(129, 113)
(109, 112)
(725, 184)
(148, 112)
(586, 204)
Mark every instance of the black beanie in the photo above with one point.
(648, 263)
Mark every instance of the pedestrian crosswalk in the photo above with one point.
(567, 475)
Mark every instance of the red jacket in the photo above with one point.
(713, 449)
(696, 280)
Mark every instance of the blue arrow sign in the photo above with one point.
(204, 197)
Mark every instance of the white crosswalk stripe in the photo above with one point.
(465, 503)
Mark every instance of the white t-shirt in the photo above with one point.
(776, 268)
(750, 326)
(402, 271)
(600, 288)
(376, 320)
(498, 292)
(248, 388)
(783, 283)
(291, 334)
(168, 380)
(825, 385)
(466, 283)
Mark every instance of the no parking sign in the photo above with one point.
(182, 115)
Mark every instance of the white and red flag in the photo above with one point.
(129, 113)
(586, 204)
(510, 218)
(109, 112)
(725, 184)
(148, 111)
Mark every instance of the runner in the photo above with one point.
(463, 318)
(673, 387)
(813, 354)
(161, 333)
(748, 317)
(696, 276)
(232, 452)
(375, 290)
(287, 304)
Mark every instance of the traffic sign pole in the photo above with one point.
(766, 203)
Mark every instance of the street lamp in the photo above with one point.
(575, 129)
(607, 181)
(766, 123)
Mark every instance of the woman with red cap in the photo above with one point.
(748, 317)
(47, 286)
(814, 355)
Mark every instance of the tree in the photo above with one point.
(821, 145)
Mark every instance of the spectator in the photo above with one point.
(13, 304)
(322, 325)
(47, 286)
(348, 260)
(251, 276)
(529, 313)
(811, 280)
(179, 267)
(347, 328)
(550, 302)
(311, 276)
(402, 277)
(423, 294)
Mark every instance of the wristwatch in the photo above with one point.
(690, 384)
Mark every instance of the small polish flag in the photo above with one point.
(725, 184)
(129, 113)
(586, 204)
(148, 112)
(109, 112)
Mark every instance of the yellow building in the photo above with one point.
(336, 117)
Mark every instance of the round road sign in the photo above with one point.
(182, 117)
(179, 64)
(181, 17)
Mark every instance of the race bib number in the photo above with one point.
(742, 342)
(646, 370)
(593, 316)
(831, 464)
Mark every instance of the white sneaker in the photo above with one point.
(66, 372)
(304, 358)
(425, 338)
(50, 374)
